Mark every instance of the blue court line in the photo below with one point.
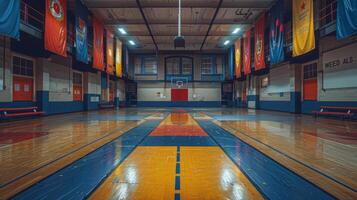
(80, 178)
(178, 141)
(273, 180)
(298, 161)
(63, 156)
(177, 177)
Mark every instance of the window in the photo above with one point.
(149, 65)
(77, 78)
(327, 11)
(186, 66)
(173, 65)
(22, 66)
(179, 66)
(310, 71)
(146, 65)
(206, 65)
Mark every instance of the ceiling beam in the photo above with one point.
(174, 34)
(211, 23)
(165, 22)
(261, 4)
(147, 24)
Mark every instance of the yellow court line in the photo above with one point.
(148, 173)
(207, 173)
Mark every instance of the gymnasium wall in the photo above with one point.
(53, 85)
(153, 91)
(285, 91)
(343, 94)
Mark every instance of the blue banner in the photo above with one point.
(276, 33)
(231, 62)
(10, 18)
(81, 32)
(346, 18)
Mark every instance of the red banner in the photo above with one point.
(98, 56)
(259, 56)
(56, 27)
(237, 55)
(110, 53)
(246, 52)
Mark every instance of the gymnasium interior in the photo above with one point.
(178, 99)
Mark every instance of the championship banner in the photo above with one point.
(259, 55)
(238, 58)
(276, 33)
(110, 52)
(98, 56)
(81, 32)
(118, 59)
(56, 27)
(303, 27)
(246, 52)
(346, 18)
(10, 18)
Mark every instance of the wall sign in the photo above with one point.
(340, 68)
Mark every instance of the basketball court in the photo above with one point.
(178, 99)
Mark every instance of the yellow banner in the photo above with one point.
(118, 59)
(303, 27)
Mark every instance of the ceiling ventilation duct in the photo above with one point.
(179, 41)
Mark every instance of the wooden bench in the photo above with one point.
(20, 112)
(337, 111)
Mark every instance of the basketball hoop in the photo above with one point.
(179, 84)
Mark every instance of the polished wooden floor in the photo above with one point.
(322, 151)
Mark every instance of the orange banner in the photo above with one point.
(246, 50)
(98, 56)
(56, 27)
(238, 62)
(259, 55)
(110, 53)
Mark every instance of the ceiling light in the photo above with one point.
(132, 42)
(236, 31)
(226, 42)
(122, 31)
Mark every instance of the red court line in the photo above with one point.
(177, 130)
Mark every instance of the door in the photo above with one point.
(77, 86)
(179, 94)
(310, 82)
(22, 88)
(22, 81)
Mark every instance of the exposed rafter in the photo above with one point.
(147, 24)
(211, 23)
(131, 4)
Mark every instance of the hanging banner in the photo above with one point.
(246, 52)
(276, 33)
(346, 18)
(98, 56)
(81, 32)
(110, 52)
(10, 18)
(118, 59)
(238, 58)
(259, 55)
(56, 27)
(303, 27)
